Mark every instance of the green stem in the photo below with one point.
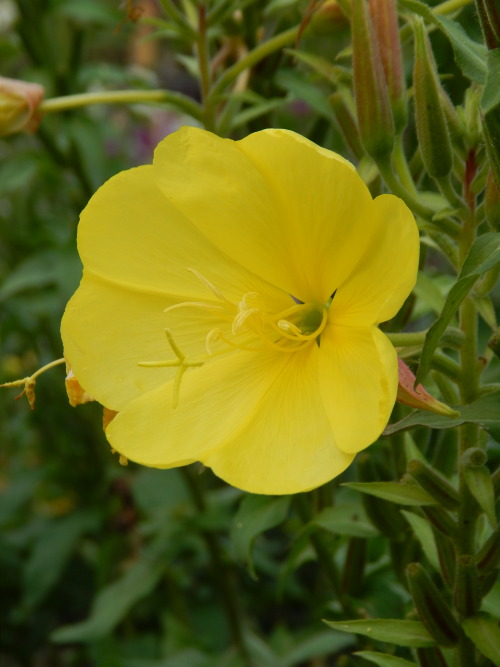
(220, 571)
(450, 6)
(252, 58)
(177, 100)
(204, 67)
(448, 191)
(395, 186)
(402, 168)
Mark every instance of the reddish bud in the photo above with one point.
(418, 397)
(19, 102)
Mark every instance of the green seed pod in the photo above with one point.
(474, 456)
(375, 122)
(447, 557)
(432, 129)
(433, 610)
(434, 483)
(488, 556)
(467, 594)
(488, 33)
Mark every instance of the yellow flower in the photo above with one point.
(229, 306)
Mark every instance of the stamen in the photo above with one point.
(210, 285)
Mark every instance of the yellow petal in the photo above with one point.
(378, 286)
(288, 446)
(130, 234)
(257, 420)
(358, 373)
(108, 329)
(287, 210)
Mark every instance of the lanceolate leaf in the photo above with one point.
(484, 631)
(485, 412)
(385, 659)
(395, 492)
(483, 255)
(401, 633)
(469, 55)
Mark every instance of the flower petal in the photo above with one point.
(378, 286)
(108, 329)
(257, 420)
(289, 211)
(129, 233)
(358, 374)
(288, 446)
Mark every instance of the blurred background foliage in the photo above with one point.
(102, 564)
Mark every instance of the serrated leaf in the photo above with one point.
(483, 255)
(395, 492)
(385, 659)
(393, 631)
(470, 56)
(425, 536)
(484, 630)
(346, 519)
(485, 412)
(255, 515)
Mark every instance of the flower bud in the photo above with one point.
(329, 19)
(447, 557)
(375, 122)
(489, 19)
(418, 397)
(434, 483)
(19, 102)
(488, 556)
(492, 203)
(467, 594)
(474, 456)
(432, 129)
(433, 610)
(384, 17)
(441, 520)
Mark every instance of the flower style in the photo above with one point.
(229, 306)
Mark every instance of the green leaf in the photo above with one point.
(114, 601)
(346, 519)
(393, 631)
(395, 492)
(484, 411)
(484, 631)
(491, 92)
(319, 65)
(255, 515)
(425, 536)
(470, 56)
(319, 645)
(50, 554)
(481, 486)
(385, 659)
(301, 88)
(483, 255)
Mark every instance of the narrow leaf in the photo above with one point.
(403, 494)
(255, 515)
(485, 412)
(401, 633)
(481, 486)
(484, 631)
(484, 255)
(385, 659)
(425, 536)
(346, 519)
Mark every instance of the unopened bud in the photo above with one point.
(488, 556)
(434, 483)
(432, 130)
(430, 657)
(329, 19)
(489, 19)
(467, 595)
(441, 520)
(375, 122)
(433, 610)
(418, 397)
(384, 16)
(447, 557)
(19, 102)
